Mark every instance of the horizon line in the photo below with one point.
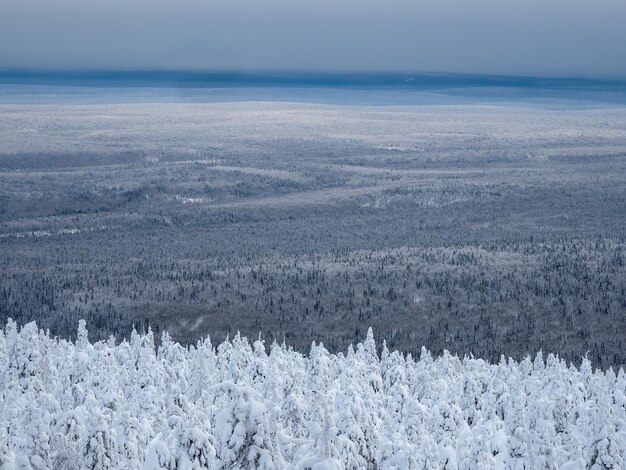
(86, 71)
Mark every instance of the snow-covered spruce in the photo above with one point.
(79, 405)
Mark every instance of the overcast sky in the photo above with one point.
(524, 37)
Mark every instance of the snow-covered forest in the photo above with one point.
(479, 229)
(242, 404)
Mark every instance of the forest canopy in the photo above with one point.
(249, 405)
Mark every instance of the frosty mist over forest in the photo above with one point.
(241, 404)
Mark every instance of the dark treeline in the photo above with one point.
(513, 300)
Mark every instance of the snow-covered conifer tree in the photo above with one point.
(113, 405)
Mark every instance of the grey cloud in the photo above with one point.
(530, 37)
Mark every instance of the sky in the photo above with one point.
(579, 38)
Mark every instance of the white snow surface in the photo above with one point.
(131, 405)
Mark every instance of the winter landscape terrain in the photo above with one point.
(477, 225)
(487, 225)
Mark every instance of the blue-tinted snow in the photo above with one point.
(18, 87)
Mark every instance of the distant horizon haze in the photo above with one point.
(556, 38)
(373, 88)
(99, 72)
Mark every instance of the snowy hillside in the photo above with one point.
(242, 405)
